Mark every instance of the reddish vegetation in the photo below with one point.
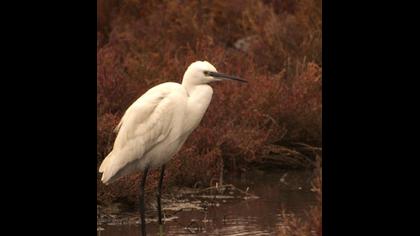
(312, 223)
(144, 43)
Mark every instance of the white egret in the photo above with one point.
(155, 127)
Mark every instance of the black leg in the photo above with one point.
(142, 210)
(159, 193)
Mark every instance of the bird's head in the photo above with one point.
(202, 72)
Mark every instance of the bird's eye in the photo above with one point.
(206, 73)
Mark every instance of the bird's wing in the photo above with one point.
(145, 123)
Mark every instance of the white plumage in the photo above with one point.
(156, 126)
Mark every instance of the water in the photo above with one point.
(278, 191)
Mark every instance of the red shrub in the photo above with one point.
(155, 42)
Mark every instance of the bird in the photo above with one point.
(155, 127)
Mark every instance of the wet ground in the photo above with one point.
(251, 204)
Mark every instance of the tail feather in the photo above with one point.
(104, 169)
(113, 166)
(104, 163)
(112, 169)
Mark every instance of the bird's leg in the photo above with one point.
(142, 210)
(159, 194)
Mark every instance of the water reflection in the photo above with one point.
(278, 191)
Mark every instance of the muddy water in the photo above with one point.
(277, 191)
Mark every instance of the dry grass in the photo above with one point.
(144, 43)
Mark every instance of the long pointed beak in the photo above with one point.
(225, 76)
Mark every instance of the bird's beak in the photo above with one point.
(225, 76)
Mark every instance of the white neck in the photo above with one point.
(189, 84)
(199, 97)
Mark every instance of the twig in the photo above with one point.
(225, 186)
